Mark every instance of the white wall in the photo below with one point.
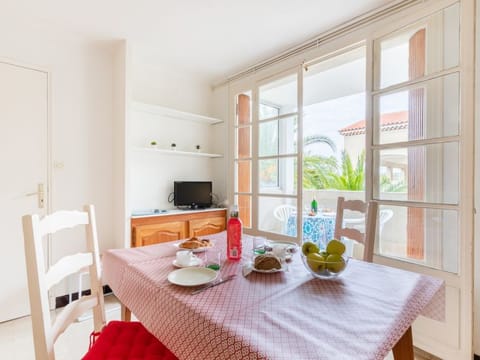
(476, 244)
(81, 106)
(220, 144)
(162, 84)
(151, 174)
(81, 119)
(121, 105)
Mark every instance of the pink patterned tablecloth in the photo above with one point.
(285, 315)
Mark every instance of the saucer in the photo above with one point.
(194, 262)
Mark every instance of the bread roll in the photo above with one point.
(267, 262)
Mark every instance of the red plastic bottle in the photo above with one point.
(234, 236)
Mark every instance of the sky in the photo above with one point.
(326, 118)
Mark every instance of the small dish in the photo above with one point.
(197, 250)
(268, 260)
(283, 249)
(192, 276)
(271, 271)
(287, 245)
(193, 263)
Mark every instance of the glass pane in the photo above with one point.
(243, 170)
(425, 236)
(327, 199)
(244, 209)
(430, 110)
(274, 214)
(244, 109)
(244, 148)
(278, 176)
(427, 173)
(278, 97)
(267, 111)
(425, 49)
(334, 123)
(317, 228)
(268, 172)
(268, 138)
(278, 137)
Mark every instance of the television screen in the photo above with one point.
(194, 194)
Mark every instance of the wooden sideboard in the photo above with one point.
(148, 230)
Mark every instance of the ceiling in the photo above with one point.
(211, 38)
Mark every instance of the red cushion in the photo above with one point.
(121, 340)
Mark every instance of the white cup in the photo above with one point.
(184, 257)
(280, 251)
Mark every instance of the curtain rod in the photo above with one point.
(344, 28)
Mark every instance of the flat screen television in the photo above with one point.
(192, 194)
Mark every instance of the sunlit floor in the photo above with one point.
(16, 341)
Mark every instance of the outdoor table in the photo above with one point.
(318, 229)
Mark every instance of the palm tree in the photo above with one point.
(315, 139)
(351, 178)
(315, 169)
(314, 166)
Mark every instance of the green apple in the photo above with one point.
(324, 254)
(335, 263)
(316, 262)
(309, 248)
(335, 247)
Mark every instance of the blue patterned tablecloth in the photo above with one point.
(318, 229)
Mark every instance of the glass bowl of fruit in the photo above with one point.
(324, 264)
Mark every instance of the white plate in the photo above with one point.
(192, 276)
(286, 244)
(267, 271)
(194, 262)
(197, 250)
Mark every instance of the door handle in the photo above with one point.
(41, 195)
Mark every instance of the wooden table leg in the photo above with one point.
(125, 313)
(403, 349)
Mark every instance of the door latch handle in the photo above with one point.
(41, 195)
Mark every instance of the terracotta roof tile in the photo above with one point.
(390, 121)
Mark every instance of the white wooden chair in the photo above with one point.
(367, 237)
(45, 329)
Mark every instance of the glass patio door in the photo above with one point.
(265, 154)
(420, 165)
(334, 128)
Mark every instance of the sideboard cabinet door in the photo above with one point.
(158, 233)
(207, 226)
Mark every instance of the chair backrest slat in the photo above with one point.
(71, 312)
(366, 238)
(39, 280)
(66, 266)
(60, 220)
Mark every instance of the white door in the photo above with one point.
(23, 163)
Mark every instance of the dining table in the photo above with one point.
(363, 313)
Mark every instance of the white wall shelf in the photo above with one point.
(179, 152)
(175, 114)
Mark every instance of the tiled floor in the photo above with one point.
(16, 341)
